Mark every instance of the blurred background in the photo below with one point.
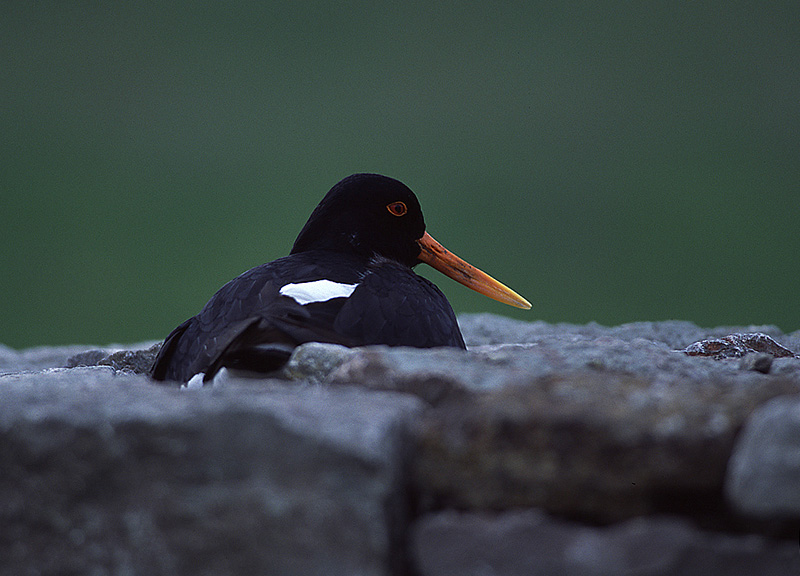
(612, 162)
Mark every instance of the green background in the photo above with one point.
(612, 162)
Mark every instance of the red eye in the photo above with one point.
(397, 208)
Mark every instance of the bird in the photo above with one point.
(347, 280)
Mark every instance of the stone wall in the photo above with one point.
(544, 449)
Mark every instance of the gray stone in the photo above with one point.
(43, 357)
(530, 543)
(85, 358)
(764, 473)
(38, 358)
(757, 361)
(483, 329)
(314, 361)
(136, 359)
(600, 428)
(737, 345)
(106, 473)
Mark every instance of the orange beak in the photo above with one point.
(436, 255)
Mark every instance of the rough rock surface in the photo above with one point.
(529, 543)
(137, 360)
(764, 472)
(565, 449)
(480, 329)
(109, 474)
(738, 345)
(39, 358)
(43, 357)
(597, 428)
(313, 362)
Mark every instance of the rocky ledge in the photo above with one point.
(648, 449)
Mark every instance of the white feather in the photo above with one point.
(195, 381)
(317, 291)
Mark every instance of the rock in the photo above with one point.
(83, 359)
(104, 472)
(38, 358)
(601, 447)
(314, 361)
(530, 543)
(134, 361)
(764, 473)
(737, 345)
(433, 374)
(757, 361)
(596, 428)
(43, 357)
(485, 329)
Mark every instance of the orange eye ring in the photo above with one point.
(397, 208)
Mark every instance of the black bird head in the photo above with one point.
(366, 214)
(370, 214)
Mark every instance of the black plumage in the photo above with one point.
(367, 231)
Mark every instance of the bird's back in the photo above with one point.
(256, 319)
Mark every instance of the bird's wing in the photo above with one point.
(248, 324)
(161, 365)
(394, 306)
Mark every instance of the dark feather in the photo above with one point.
(351, 238)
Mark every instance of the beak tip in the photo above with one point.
(521, 303)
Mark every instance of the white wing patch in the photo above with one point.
(317, 291)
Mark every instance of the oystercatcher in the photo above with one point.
(348, 280)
